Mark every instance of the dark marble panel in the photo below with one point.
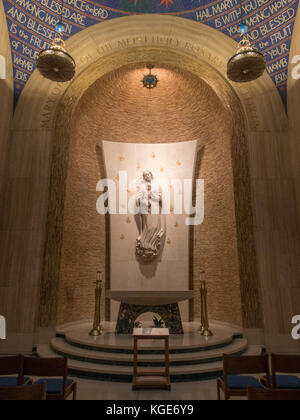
(129, 313)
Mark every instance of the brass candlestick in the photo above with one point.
(202, 277)
(204, 329)
(97, 327)
(202, 314)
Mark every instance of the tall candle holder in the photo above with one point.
(204, 329)
(202, 277)
(97, 327)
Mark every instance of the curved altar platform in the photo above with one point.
(110, 357)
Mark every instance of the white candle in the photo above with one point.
(202, 275)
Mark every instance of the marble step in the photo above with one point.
(187, 343)
(62, 348)
(124, 373)
(98, 371)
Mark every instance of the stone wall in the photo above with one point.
(8, 255)
(6, 91)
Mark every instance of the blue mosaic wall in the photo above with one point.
(32, 24)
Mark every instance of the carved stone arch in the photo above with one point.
(45, 110)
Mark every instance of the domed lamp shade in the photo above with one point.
(247, 64)
(150, 81)
(55, 64)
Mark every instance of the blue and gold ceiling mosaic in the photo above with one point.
(32, 23)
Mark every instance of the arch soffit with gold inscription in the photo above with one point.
(137, 39)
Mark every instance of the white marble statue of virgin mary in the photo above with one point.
(151, 223)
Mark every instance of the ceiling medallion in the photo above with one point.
(54, 63)
(150, 81)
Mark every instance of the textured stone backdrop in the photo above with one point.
(118, 108)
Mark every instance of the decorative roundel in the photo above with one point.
(243, 28)
(150, 81)
(60, 27)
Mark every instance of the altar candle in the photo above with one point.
(202, 275)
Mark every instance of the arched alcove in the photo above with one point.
(118, 108)
(43, 122)
(249, 283)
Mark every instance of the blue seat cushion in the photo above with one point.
(242, 382)
(288, 382)
(10, 381)
(54, 386)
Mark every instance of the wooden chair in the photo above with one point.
(24, 393)
(54, 372)
(272, 395)
(11, 372)
(285, 364)
(234, 383)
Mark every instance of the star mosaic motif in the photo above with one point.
(166, 2)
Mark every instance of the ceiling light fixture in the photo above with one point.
(248, 63)
(54, 63)
(150, 81)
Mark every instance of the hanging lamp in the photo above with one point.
(54, 63)
(150, 81)
(248, 63)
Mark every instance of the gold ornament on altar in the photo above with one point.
(97, 327)
(204, 328)
(54, 63)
